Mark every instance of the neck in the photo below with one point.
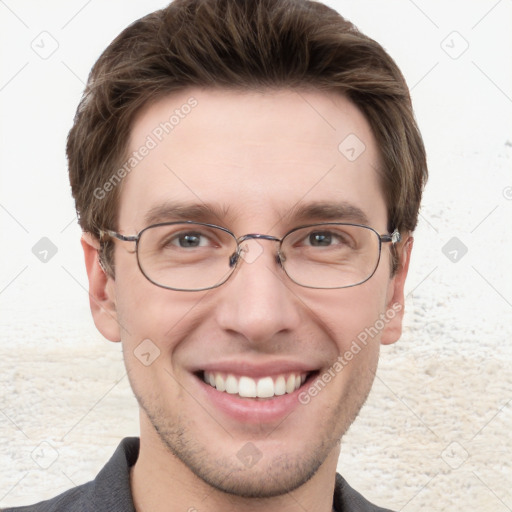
(161, 482)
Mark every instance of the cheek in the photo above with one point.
(350, 313)
(351, 317)
(148, 312)
(138, 300)
(135, 304)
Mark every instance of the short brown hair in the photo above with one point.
(240, 44)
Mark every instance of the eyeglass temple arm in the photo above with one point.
(395, 237)
(114, 234)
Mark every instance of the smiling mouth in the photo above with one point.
(247, 387)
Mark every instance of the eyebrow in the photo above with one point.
(171, 211)
(201, 212)
(329, 212)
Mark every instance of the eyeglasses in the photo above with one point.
(195, 256)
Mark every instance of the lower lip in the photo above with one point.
(253, 410)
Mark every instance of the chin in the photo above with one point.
(267, 478)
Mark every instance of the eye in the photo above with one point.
(320, 238)
(324, 239)
(186, 240)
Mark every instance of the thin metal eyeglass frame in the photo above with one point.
(393, 238)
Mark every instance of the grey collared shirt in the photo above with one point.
(110, 490)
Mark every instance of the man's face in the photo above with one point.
(258, 162)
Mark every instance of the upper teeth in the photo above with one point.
(248, 387)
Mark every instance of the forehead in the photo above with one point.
(255, 157)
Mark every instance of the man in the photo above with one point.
(247, 176)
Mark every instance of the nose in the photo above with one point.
(258, 302)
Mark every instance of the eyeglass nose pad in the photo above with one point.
(233, 259)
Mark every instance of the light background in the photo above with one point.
(435, 433)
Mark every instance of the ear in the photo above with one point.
(101, 290)
(395, 302)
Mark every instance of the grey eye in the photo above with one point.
(189, 240)
(320, 238)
